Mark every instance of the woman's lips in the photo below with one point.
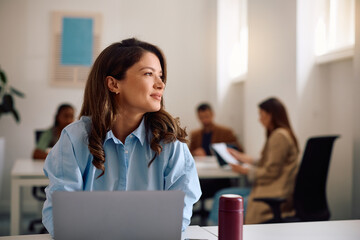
(156, 96)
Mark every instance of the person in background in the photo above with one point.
(124, 140)
(210, 132)
(64, 116)
(274, 174)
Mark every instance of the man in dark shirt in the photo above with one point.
(201, 139)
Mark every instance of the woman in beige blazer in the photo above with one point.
(273, 175)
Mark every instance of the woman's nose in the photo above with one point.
(159, 84)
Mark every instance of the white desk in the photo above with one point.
(25, 172)
(28, 172)
(192, 232)
(208, 167)
(326, 230)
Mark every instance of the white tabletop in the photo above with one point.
(28, 168)
(208, 167)
(192, 232)
(325, 230)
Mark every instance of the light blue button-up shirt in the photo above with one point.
(69, 167)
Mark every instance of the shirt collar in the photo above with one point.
(139, 133)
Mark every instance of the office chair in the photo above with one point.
(310, 187)
(39, 194)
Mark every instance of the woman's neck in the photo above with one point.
(125, 125)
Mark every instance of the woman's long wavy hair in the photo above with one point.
(279, 117)
(100, 104)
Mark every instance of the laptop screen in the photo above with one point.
(118, 215)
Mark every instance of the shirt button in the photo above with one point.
(126, 151)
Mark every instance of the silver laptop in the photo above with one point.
(118, 215)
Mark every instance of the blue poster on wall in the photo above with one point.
(77, 41)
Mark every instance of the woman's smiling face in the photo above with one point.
(142, 88)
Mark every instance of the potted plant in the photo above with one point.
(7, 94)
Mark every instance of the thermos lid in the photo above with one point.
(231, 202)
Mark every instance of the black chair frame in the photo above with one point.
(310, 200)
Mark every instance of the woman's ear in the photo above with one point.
(113, 84)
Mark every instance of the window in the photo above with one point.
(238, 66)
(232, 42)
(335, 30)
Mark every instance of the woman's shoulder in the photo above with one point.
(281, 131)
(175, 147)
(176, 143)
(176, 153)
(79, 128)
(281, 134)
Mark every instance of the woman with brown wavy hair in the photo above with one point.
(273, 174)
(124, 140)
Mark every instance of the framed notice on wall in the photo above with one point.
(75, 45)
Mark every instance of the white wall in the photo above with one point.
(325, 106)
(184, 29)
(340, 75)
(272, 64)
(229, 100)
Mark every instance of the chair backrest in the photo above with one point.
(38, 134)
(38, 192)
(310, 190)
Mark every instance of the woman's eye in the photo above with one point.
(148, 74)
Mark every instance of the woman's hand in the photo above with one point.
(239, 169)
(39, 154)
(241, 157)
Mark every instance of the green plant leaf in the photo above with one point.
(17, 92)
(8, 103)
(16, 115)
(3, 76)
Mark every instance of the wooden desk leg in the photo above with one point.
(15, 207)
